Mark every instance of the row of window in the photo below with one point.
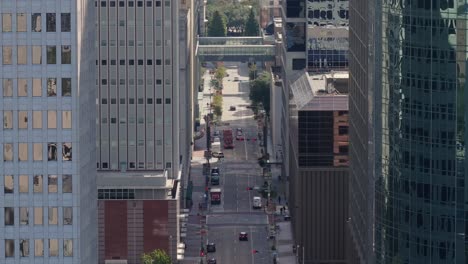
(38, 218)
(131, 165)
(36, 54)
(37, 151)
(132, 82)
(132, 62)
(132, 3)
(20, 119)
(23, 184)
(132, 101)
(20, 24)
(20, 87)
(24, 246)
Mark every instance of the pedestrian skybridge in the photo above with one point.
(234, 49)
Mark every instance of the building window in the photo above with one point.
(52, 183)
(168, 100)
(158, 101)
(130, 3)
(36, 87)
(113, 62)
(37, 151)
(343, 149)
(122, 100)
(122, 62)
(7, 87)
(7, 55)
(50, 23)
(38, 216)
(24, 216)
(37, 184)
(51, 55)
(9, 248)
(53, 215)
(65, 22)
(24, 247)
(121, 4)
(66, 54)
(36, 55)
(53, 247)
(131, 62)
(149, 62)
(9, 216)
(52, 151)
(66, 119)
(68, 248)
(67, 184)
(112, 3)
(140, 62)
(67, 151)
(343, 130)
(22, 87)
(149, 101)
(37, 119)
(38, 247)
(21, 22)
(52, 119)
(24, 183)
(36, 22)
(9, 184)
(67, 215)
(66, 87)
(7, 152)
(22, 119)
(6, 22)
(22, 55)
(7, 119)
(22, 151)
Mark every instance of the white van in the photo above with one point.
(257, 202)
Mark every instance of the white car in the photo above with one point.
(257, 202)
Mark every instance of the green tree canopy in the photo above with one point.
(251, 25)
(220, 73)
(217, 25)
(218, 105)
(157, 256)
(260, 91)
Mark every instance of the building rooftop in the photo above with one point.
(320, 92)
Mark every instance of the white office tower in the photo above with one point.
(47, 139)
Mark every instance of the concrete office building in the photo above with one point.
(144, 124)
(48, 176)
(420, 177)
(319, 166)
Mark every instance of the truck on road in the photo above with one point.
(215, 195)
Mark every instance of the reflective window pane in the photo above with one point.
(23, 183)
(36, 55)
(22, 119)
(7, 54)
(51, 54)
(37, 151)
(24, 247)
(38, 247)
(66, 86)
(24, 216)
(37, 87)
(38, 184)
(51, 87)
(67, 184)
(68, 248)
(51, 151)
(7, 119)
(53, 247)
(7, 152)
(50, 22)
(37, 119)
(67, 215)
(9, 248)
(66, 54)
(38, 216)
(65, 22)
(9, 184)
(9, 216)
(53, 215)
(22, 55)
(52, 182)
(66, 119)
(51, 119)
(6, 22)
(22, 87)
(67, 151)
(36, 22)
(22, 151)
(21, 22)
(7, 87)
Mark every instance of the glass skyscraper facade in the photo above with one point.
(421, 200)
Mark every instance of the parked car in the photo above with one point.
(243, 236)
(232, 108)
(211, 247)
(212, 261)
(215, 170)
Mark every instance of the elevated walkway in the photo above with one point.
(234, 49)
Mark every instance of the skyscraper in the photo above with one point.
(48, 176)
(421, 194)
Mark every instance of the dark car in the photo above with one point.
(212, 261)
(243, 236)
(211, 247)
(215, 170)
(232, 108)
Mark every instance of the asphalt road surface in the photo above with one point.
(239, 170)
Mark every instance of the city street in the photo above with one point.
(239, 170)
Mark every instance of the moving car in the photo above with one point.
(243, 236)
(215, 170)
(212, 261)
(236, 79)
(239, 135)
(232, 108)
(257, 202)
(211, 247)
(216, 133)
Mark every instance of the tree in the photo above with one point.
(252, 71)
(218, 105)
(260, 91)
(251, 25)
(220, 73)
(157, 256)
(217, 25)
